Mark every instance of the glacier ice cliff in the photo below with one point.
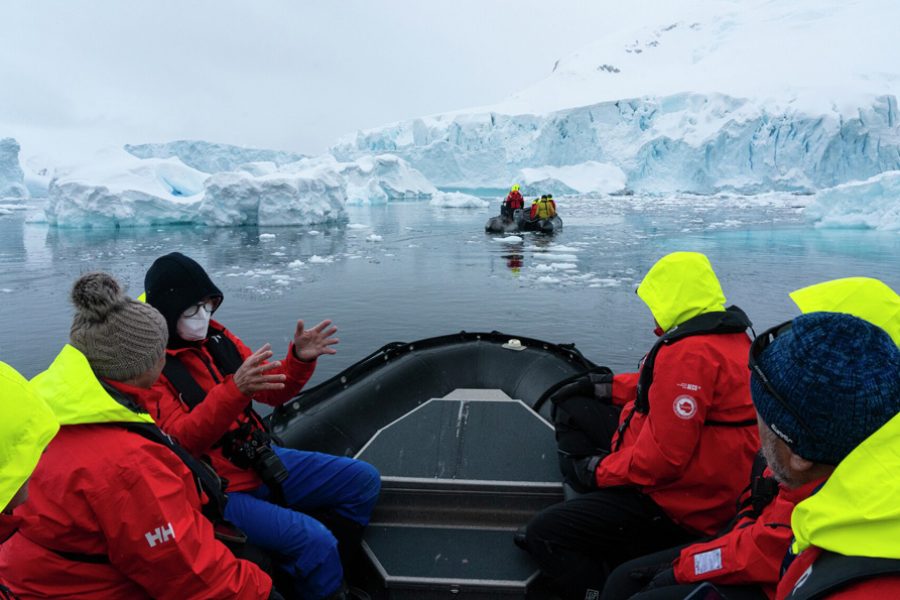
(12, 178)
(210, 157)
(701, 143)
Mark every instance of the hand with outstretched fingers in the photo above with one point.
(251, 376)
(310, 344)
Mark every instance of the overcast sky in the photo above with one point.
(281, 74)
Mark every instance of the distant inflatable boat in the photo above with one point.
(521, 222)
(459, 428)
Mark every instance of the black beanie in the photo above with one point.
(172, 284)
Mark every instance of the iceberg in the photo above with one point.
(585, 178)
(210, 157)
(120, 190)
(12, 178)
(381, 178)
(872, 204)
(117, 189)
(458, 200)
(276, 199)
(696, 104)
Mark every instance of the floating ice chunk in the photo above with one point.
(295, 264)
(266, 236)
(374, 238)
(510, 239)
(547, 279)
(358, 226)
(562, 248)
(457, 200)
(312, 232)
(315, 259)
(555, 256)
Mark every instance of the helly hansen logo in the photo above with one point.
(160, 535)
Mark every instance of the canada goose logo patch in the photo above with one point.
(685, 407)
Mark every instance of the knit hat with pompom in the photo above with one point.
(120, 337)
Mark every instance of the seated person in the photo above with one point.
(675, 458)
(746, 561)
(26, 427)
(514, 200)
(545, 208)
(299, 505)
(114, 511)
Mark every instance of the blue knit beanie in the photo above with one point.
(840, 373)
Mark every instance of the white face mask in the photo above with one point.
(195, 327)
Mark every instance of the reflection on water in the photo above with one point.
(407, 271)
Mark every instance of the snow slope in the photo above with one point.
(12, 179)
(210, 157)
(729, 95)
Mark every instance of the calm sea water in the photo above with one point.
(406, 271)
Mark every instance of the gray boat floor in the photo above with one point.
(459, 475)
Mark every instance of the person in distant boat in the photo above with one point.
(26, 427)
(309, 508)
(746, 561)
(666, 467)
(544, 208)
(514, 200)
(114, 508)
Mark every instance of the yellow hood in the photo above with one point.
(26, 427)
(679, 287)
(862, 297)
(856, 512)
(75, 395)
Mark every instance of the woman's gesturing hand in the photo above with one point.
(251, 375)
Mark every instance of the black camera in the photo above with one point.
(253, 450)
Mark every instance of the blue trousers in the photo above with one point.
(306, 548)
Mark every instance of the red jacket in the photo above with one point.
(693, 471)
(102, 490)
(222, 409)
(751, 552)
(876, 588)
(515, 200)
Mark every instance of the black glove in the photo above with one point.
(592, 385)
(586, 470)
(654, 576)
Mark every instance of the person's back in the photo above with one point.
(113, 513)
(682, 444)
(27, 426)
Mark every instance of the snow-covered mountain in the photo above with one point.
(12, 179)
(742, 95)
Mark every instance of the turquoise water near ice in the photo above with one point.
(406, 271)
